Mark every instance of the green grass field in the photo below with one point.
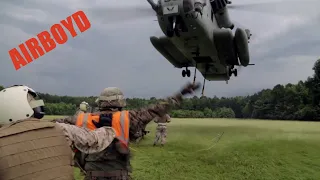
(249, 149)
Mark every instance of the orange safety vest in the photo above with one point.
(120, 123)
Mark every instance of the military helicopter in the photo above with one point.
(199, 34)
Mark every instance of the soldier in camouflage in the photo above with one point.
(140, 134)
(114, 161)
(83, 108)
(161, 131)
(36, 149)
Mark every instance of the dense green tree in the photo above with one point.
(225, 113)
(299, 101)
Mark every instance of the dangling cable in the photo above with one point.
(218, 137)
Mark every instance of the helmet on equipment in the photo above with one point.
(111, 97)
(19, 102)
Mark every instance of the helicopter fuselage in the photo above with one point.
(200, 40)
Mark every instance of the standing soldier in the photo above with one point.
(114, 161)
(161, 131)
(83, 108)
(36, 149)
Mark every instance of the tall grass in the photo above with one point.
(248, 149)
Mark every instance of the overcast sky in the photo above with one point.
(284, 47)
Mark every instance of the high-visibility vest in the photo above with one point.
(120, 123)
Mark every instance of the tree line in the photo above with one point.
(299, 101)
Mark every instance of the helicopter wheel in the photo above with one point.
(184, 73)
(188, 73)
(235, 73)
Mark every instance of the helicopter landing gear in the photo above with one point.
(177, 31)
(233, 71)
(186, 72)
(174, 26)
(170, 31)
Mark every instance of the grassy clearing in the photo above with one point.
(249, 149)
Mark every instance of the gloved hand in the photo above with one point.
(189, 88)
(104, 120)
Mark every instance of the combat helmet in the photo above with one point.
(111, 97)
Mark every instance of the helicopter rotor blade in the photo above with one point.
(117, 14)
(280, 7)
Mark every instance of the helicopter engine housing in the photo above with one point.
(223, 19)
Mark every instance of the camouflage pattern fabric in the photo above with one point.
(138, 118)
(161, 130)
(140, 134)
(70, 119)
(67, 120)
(78, 112)
(28, 147)
(161, 134)
(85, 140)
(88, 141)
(112, 159)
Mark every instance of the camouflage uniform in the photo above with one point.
(34, 135)
(83, 108)
(111, 163)
(78, 112)
(140, 134)
(161, 131)
(38, 149)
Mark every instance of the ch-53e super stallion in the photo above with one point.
(199, 34)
